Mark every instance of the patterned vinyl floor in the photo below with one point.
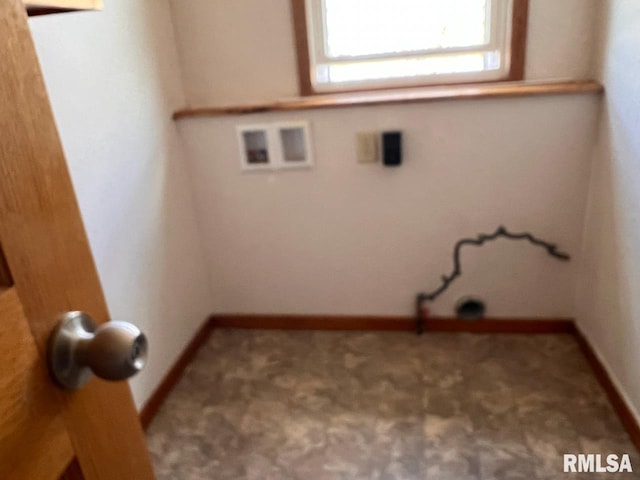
(271, 405)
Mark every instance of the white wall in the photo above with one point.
(242, 51)
(608, 305)
(113, 81)
(352, 239)
(346, 238)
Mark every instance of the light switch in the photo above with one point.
(368, 147)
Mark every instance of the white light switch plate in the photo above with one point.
(367, 147)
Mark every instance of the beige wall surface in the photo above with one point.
(348, 238)
(345, 238)
(242, 51)
(113, 81)
(608, 304)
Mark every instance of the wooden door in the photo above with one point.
(48, 270)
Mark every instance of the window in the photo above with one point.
(368, 44)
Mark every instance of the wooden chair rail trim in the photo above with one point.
(393, 97)
(333, 322)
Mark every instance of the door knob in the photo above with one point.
(79, 349)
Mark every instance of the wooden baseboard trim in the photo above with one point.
(157, 398)
(436, 324)
(312, 322)
(628, 419)
(492, 325)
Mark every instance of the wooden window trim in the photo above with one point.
(519, 24)
(299, 17)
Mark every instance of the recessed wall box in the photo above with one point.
(294, 144)
(256, 152)
(275, 146)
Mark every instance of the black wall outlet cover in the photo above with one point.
(392, 149)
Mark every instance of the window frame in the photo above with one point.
(519, 21)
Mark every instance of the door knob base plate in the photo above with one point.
(74, 328)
